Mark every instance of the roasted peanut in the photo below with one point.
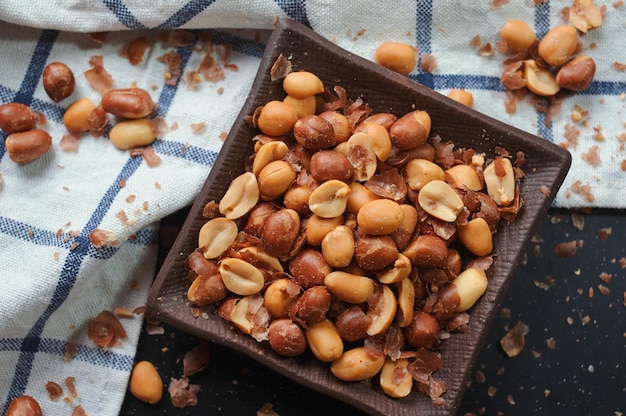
(411, 130)
(26, 146)
(279, 296)
(216, 236)
(382, 311)
(558, 45)
(419, 172)
(240, 277)
(240, 197)
(302, 84)
(476, 236)
(577, 74)
(380, 216)
(16, 117)
(128, 134)
(286, 338)
(255, 255)
(379, 139)
(440, 200)
(585, 15)
(462, 96)
(500, 181)
(395, 379)
(427, 251)
(303, 106)
(267, 153)
(145, 383)
(357, 364)
(340, 123)
(280, 231)
(58, 81)
(517, 35)
(362, 157)
(464, 176)
(375, 252)
(338, 246)
(277, 118)
(309, 268)
(128, 103)
(318, 227)
(352, 323)
(329, 164)
(423, 330)
(329, 199)
(311, 307)
(349, 287)
(274, 179)
(396, 56)
(240, 316)
(76, 117)
(314, 133)
(384, 119)
(297, 196)
(540, 80)
(324, 341)
(205, 290)
(24, 406)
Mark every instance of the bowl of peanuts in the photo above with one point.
(358, 230)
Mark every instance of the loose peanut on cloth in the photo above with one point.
(24, 406)
(26, 146)
(145, 383)
(58, 81)
(328, 243)
(16, 117)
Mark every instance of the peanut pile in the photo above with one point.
(355, 235)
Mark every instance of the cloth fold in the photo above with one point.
(54, 280)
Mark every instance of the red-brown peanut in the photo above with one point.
(16, 117)
(128, 102)
(26, 146)
(58, 81)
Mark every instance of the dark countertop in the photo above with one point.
(572, 364)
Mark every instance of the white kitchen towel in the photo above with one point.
(53, 281)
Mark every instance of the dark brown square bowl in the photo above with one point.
(546, 167)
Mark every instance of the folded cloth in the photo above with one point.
(54, 280)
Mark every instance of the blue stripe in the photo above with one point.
(239, 45)
(194, 154)
(185, 14)
(542, 19)
(35, 67)
(124, 15)
(84, 353)
(423, 38)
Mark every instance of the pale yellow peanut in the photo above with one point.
(379, 139)
(399, 270)
(585, 15)
(277, 118)
(406, 302)
(383, 313)
(518, 35)
(470, 285)
(397, 56)
(240, 197)
(216, 236)
(76, 116)
(419, 172)
(128, 134)
(462, 96)
(440, 200)
(329, 199)
(395, 379)
(302, 84)
(464, 176)
(303, 106)
(359, 363)
(380, 216)
(241, 277)
(558, 45)
(338, 246)
(540, 80)
(324, 340)
(366, 162)
(240, 317)
(261, 256)
(145, 383)
(267, 153)
(349, 287)
(476, 236)
(500, 181)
